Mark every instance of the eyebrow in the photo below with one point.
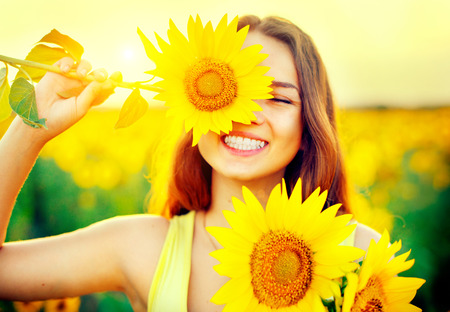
(282, 84)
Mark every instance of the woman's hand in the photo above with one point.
(64, 101)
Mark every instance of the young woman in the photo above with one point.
(158, 267)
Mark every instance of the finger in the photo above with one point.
(95, 93)
(83, 68)
(65, 64)
(103, 96)
(100, 75)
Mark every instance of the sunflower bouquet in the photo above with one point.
(290, 256)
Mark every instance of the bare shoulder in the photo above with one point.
(137, 229)
(139, 241)
(364, 234)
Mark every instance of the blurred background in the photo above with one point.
(390, 72)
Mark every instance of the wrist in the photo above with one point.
(34, 138)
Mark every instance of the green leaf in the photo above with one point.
(5, 109)
(329, 304)
(23, 102)
(41, 54)
(73, 48)
(134, 108)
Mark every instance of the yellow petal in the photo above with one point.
(240, 304)
(247, 230)
(247, 59)
(231, 290)
(397, 284)
(338, 254)
(255, 209)
(207, 44)
(150, 49)
(273, 208)
(400, 297)
(228, 238)
(328, 271)
(403, 308)
(233, 270)
(331, 238)
(350, 292)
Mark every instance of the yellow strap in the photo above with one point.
(169, 289)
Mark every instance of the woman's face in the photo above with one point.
(265, 147)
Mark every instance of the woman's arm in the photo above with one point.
(21, 144)
(118, 254)
(71, 264)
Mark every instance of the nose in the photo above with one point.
(260, 115)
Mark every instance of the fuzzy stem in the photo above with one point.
(55, 69)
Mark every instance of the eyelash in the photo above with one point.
(281, 100)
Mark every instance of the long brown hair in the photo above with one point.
(319, 161)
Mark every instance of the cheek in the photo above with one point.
(207, 145)
(290, 129)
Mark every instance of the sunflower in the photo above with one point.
(208, 80)
(29, 306)
(63, 305)
(377, 288)
(283, 257)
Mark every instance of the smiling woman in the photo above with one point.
(278, 125)
(283, 144)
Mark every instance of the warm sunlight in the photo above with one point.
(387, 142)
(376, 53)
(128, 54)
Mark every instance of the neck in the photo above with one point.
(223, 189)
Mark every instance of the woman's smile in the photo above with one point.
(243, 144)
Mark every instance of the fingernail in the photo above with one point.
(83, 72)
(66, 68)
(101, 76)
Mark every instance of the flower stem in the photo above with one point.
(55, 69)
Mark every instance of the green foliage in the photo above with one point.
(329, 304)
(42, 54)
(51, 48)
(22, 99)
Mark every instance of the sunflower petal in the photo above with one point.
(231, 290)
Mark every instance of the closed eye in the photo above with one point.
(281, 100)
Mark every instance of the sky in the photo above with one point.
(377, 53)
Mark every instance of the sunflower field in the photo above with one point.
(398, 162)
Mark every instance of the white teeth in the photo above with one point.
(242, 143)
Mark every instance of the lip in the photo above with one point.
(238, 152)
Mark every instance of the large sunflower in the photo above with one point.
(377, 288)
(283, 257)
(208, 80)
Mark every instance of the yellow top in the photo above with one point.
(169, 289)
(170, 284)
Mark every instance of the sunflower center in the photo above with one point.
(286, 266)
(370, 298)
(281, 266)
(210, 85)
